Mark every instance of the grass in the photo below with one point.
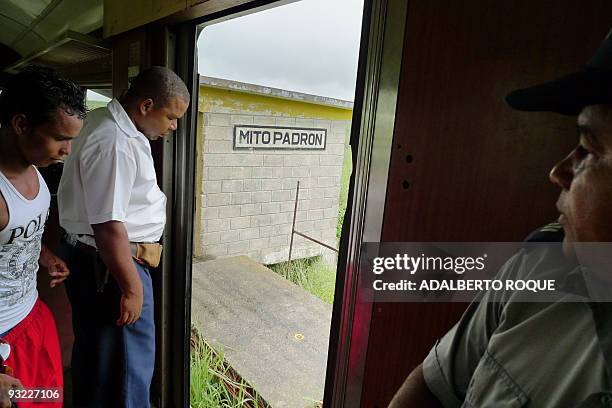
(214, 384)
(91, 105)
(347, 168)
(311, 274)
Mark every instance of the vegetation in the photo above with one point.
(91, 105)
(216, 385)
(347, 167)
(311, 274)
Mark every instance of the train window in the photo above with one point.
(276, 93)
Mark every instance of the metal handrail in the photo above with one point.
(293, 230)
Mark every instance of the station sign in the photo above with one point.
(278, 138)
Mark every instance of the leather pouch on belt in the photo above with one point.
(149, 253)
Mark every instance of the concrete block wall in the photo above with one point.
(248, 196)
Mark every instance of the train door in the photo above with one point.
(272, 179)
(173, 45)
(462, 165)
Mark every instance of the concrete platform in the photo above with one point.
(274, 333)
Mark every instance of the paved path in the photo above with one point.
(274, 333)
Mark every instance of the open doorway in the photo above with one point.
(97, 98)
(275, 107)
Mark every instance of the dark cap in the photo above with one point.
(568, 95)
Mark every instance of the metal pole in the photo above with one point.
(315, 240)
(297, 194)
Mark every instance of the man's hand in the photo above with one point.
(130, 308)
(58, 270)
(7, 383)
(114, 248)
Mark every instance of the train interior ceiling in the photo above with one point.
(428, 126)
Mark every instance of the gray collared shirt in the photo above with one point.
(505, 353)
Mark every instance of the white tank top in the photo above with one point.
(20, 243)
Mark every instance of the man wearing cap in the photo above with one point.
(541, 355)
(114, 214)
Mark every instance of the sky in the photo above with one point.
(310, 46)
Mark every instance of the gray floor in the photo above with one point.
(274, 334)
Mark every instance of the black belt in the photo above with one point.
(85, 248)
(81, 246)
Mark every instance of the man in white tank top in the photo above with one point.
(40, 114)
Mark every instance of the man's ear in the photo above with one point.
(19, 124)
(145, 106)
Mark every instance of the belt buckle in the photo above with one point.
(70, 239)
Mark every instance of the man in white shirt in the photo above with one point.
(114, 214)
(40, 114)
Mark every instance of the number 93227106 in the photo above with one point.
(36, 394)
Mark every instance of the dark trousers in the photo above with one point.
(112, 366)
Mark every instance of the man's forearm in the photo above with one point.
(415, 393)
(114, 247)
(46, 256)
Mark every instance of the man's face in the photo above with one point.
(585, 178)
(160, 121)
(49, 142)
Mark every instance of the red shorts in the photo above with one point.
(35, 353)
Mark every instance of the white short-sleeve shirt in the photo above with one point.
(110, 176)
